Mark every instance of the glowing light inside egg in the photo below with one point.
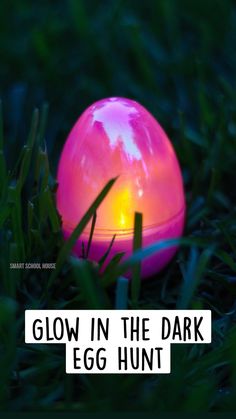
(119, 137)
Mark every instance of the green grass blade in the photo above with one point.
(104, 257)
(196, 268)
(227, 259)
(69, 244)
(42, 124)
(16, 217)
(89, 285)
(91, 234)
(4, 213)
(14, 274)
(38, 168)
(51, 211)
(107, 278)
(45, 169)
(27, 151)
(3, 168)
(136, 271)
(30, 215)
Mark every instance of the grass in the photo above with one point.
(176, 58)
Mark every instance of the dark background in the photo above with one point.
(170, 55)
(177, 58)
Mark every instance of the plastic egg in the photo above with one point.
(119, 137)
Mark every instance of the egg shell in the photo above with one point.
(119, 137)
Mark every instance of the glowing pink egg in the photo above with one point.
(119, 137)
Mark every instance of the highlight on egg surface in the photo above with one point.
(119, 137)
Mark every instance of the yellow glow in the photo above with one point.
(122, 209)
(122, 220)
